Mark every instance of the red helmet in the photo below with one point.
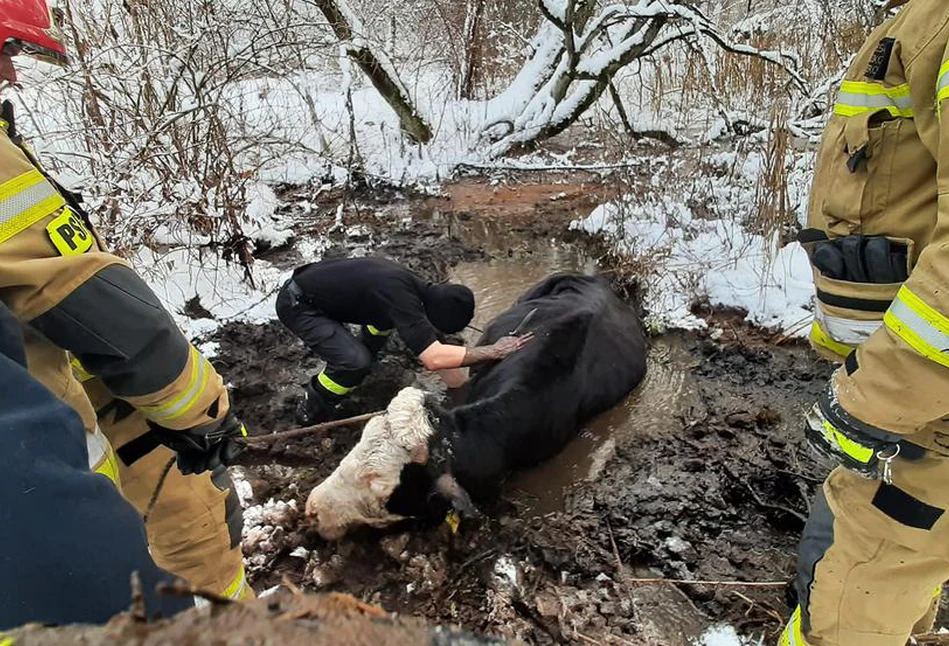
(32, 27)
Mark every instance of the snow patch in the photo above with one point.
(725, 636)
(684, 259)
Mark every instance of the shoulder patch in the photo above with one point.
(68, 234)
(880, 61)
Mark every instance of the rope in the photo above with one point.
(308, 430)
(158, 488)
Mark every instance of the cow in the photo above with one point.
(421, 460)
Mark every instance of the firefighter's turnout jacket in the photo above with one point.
(72, 295)
(874, 552)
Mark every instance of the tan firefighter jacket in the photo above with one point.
(883, 170)
(72, 295)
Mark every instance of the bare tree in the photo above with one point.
(376, 66)
(577, 53)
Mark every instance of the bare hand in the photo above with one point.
(508, 345)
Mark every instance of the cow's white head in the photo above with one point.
(356, 493)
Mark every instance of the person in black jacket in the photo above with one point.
(381, 296)
(69, 542)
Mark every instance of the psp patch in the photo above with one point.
(69, 234)
(880, 61)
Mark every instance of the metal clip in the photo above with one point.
(888, 462)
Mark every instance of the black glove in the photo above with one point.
(862, 259)
(838, 438)
(204, 448)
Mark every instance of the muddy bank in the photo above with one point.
(281, 620)
(700, 474)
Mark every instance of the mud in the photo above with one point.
(280, 620)
(700, 474)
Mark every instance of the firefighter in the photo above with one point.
(875, 549)
(70, 543)
(157, 396)
(380, 296)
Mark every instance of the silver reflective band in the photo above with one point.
(904, 103)
(942, 83)
(849, 331)
(23, 200)
(917, 331)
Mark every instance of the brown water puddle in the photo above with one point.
(497, 284)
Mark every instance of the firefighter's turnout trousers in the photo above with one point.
(72, 295)
(874, 555)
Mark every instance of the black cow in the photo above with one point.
(587, 354)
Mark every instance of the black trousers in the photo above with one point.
(348, 358)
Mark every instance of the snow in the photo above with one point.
(686, 259)
(178, 275)
(726, 636)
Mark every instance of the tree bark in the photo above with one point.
(391, 89)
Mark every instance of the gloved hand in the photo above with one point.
(858, 447)
(862, 259)
(204, 448)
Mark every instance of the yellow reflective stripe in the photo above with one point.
(6, 641)
(855, 450)
(178, 406)
(238, 587)
(102, 458)
(109, 467)
(331, 385)
(79, 371)
(374, 331)
(820, 338)
(858, 97)
(942, 82)
(25, 200)
(792, 635)
(922, 327)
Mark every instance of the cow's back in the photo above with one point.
(588, 352)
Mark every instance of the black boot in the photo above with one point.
(316, 406)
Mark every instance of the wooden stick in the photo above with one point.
(750, 584)
(309, 430)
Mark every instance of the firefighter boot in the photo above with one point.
(318, 405)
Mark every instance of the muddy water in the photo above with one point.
(645, 413)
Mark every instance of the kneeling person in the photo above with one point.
(381, 296)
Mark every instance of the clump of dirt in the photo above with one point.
(716, 491)
(282, 619)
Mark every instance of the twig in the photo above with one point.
(929, 638)
(767, 505)
(747, 584)
(477, 557)
(309, 430)
(291, 585)
(158, 488)
(619, 562)
(752, 604)
(138, 610)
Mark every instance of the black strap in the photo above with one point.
(851, 303)
(904, 508)
(133, 451)
(811, 235)
(850, 363)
